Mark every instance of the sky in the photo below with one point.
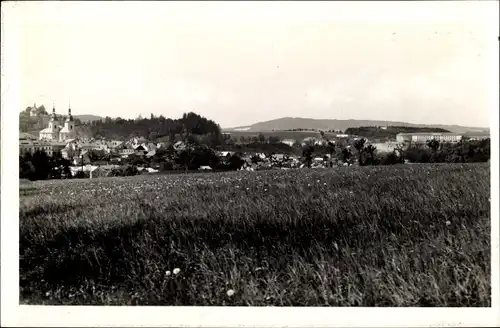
(240, 63)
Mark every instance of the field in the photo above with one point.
(297, 135)
(409, 235)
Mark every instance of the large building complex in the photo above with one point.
(423, 137)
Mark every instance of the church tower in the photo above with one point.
(52, 131)
(68, 131)
(53, 119)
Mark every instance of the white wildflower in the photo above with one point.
(230, 292)
(177, 271)
(168, 273)
(448, 223)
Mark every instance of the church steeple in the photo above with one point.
(70, 117)
(53, 116)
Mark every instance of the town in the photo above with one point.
(99, 157)
(264, 155)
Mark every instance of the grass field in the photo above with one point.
(410, 235)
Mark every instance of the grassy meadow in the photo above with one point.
(408, 235)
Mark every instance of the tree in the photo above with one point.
(41, 162)
(347, 155)
(331, 148)
(390, 159)
(262, 138)
(307, 153)
(59, 167)
(235, 162)
(153, 136)
(26, 168)
(274, 140)
(41, 111)
(370, 150)
(359, 145)
(433, 144)
(400, 152)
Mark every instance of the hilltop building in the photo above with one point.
(33, 110)
(57, 132)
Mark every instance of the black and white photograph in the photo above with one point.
(267, 163)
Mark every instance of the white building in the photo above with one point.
(31, 146)
(33, 110)
(289, 142)
(423, 137)
(385, 147)
(56, 132)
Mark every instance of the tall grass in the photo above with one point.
(415, 235)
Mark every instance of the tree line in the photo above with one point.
(158, 128)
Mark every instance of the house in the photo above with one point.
(385, 147)
(278, 157)
(342, 135)
(149, 146)
(205, 168)
(151, 154)
(225, 154)
(85, 168)
(125, 149)
(179, 145)
(114, 146)
(163, 145)
(82, 157)
(321, 142)
(114, 143)
(289, 142)
(137, 140)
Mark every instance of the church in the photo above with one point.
(57, 132)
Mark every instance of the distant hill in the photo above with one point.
(288, 123)
(87, 117)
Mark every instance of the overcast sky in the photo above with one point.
(240, 63)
